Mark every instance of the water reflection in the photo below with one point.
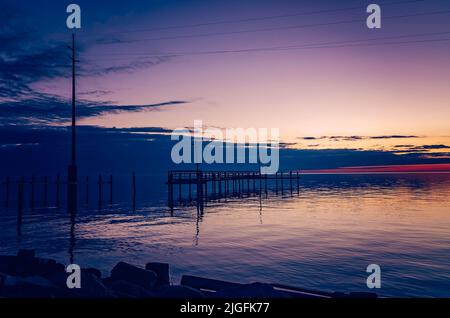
(321, 236)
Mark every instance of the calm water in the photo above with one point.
(322, 237)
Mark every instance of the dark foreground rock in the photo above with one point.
(162, 271)
(124, 289)
(181, 292)
(134, 275)
(28, 276)
(254, 290)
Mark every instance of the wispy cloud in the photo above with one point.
(356, 138)
(51, 109)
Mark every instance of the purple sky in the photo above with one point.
(150, 52)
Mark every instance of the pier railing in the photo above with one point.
(37, 190)
(222, 184)
(192, 186)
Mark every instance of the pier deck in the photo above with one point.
(219, 184)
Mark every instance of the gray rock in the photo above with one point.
(91, 287)
(161, 270)
(254, 290)
(2, 281)
(25, 265)
(31, 280)
(92, 271)
(135, 275)
(7, 264)
(180, 292)
(123, 289)
(23, 253)
(29, 287)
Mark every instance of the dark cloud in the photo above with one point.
(138, 64)
(423, 148)
(95, 93)
(354, 138)
(27, 58)
(345, 138)
(309, 138)
(46, 149)
(433, 147)
(393, 137)
(48, 109)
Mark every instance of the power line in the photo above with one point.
(184, 26)
(305, 48)
(276, 48)
(279, 28)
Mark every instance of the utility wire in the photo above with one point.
(189, 36)
(273, 48)
(184, 26)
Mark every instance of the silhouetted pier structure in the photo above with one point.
(21, 186)
(210, 185)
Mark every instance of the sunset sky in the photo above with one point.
(311, 68)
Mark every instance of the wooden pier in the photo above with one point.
(210, 185)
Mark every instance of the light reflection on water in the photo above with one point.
(322, 237)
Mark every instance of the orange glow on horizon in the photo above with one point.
(413, 168)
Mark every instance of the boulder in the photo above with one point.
(29, 287)
(135, 275)
(123, 289)
(180, 292)
(92, 271)
(91, 287)
(25, 265)
(7, 264)
(253, 290)
(23, 253)
(2, 281)
(354, 295)
(47, 267)
(161, 270)
(58, 279)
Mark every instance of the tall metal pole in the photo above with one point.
(72, 169)
(73, 103)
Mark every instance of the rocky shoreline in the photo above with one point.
(26, 276)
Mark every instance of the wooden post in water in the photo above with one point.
(282, 182)
(206, 189)
(180, 197)
(45, 191)
(265, 183)
(20, 206)
(134, 191)
(7, 185)
(226, 184)
(298, 183)
(110, 189)
(100, 191)
(33, 182)
(238, 186)
(170, 191)
(200, 197)
(58, 184)
(290, 179)
(87, 190)
(254, 182)
(190, 190)
(276, 182)
(260, 181)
